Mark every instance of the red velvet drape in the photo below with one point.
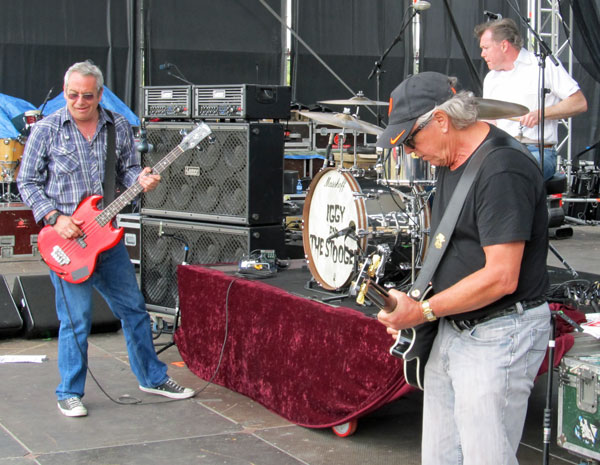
(311, 363)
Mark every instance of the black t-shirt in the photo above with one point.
(506, 203)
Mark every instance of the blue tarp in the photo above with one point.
(109, 101)
(11, 107)
(7, 128)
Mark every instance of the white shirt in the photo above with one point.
(520, 85)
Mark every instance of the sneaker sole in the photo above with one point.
(170, 395)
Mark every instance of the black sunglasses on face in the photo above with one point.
(410, 140)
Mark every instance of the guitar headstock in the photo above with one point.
(201, 132)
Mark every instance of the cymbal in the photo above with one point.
(343, 120)
(496, 109)
(356, 100)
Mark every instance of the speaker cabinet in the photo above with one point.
(35, 298)
(11, 322)
(164, 244)
(236, 179)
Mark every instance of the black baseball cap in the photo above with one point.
(415, 96)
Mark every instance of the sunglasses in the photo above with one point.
(410, 140)
(75, 96)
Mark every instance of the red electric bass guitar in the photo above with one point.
(74, 260)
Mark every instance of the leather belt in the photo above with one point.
(461, 325)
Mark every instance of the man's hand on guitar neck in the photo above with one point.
(408, 313)
(67, 227)
(148, 180)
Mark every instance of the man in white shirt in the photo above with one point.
(514, 77)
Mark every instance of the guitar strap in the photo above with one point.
(443, 234)
(110, 174)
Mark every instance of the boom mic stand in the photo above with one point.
(377, 71)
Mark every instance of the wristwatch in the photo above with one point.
(427, 311)
(51, 220)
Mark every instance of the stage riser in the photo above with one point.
(237, 179)
(208, 244)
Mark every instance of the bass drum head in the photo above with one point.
(330, 207)
(368, 216)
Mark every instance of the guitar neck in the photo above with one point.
(131, 193)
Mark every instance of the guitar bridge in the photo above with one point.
(60, 256)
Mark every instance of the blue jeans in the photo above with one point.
(114, 277)
(549, 159)
(477, 386)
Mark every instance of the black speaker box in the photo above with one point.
(164, 244)
(34, 296)
(11, 322)
(237, 178)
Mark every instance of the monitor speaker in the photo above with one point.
(235, 178)
(35, 297)
(167, 243)
(11, 322)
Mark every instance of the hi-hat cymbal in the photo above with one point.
(343, 120)
(497, 109)
(356, 100)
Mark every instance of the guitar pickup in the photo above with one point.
(60, 256)
(81, 241)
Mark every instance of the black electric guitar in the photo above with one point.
(413, 345)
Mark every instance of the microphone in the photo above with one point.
(421, 5)
(491, 15)
(165, 66)
(343, 232)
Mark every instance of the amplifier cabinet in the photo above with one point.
(164, 244)
(236, 179)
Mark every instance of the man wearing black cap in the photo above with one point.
(494, 322)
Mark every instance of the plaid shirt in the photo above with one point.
(60, 167)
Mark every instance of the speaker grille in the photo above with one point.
(237, 179)
(208, 244)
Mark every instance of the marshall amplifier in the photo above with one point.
(243, 101)
(167, 102)
(236, 178)
(167, 243)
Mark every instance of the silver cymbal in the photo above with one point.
(356, 100)
(342, 120)
(497, 109)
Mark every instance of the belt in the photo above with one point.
(530, 142)
(519, 307)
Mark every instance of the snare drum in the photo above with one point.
(346, 217)
(406, 168)
(11, 151)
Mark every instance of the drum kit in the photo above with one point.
(11, 152)
(375, 223)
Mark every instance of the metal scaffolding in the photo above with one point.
(547, 21)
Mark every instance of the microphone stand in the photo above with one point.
(543, 53)
(376, 71)
(179, 76)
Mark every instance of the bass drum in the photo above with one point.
(345, 218)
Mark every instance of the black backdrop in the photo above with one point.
(239, 41)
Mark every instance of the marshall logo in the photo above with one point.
(22, 223)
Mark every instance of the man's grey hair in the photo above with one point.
(461, 109)
(85, 68)
(502, 29)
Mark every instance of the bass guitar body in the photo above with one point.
(74, 260)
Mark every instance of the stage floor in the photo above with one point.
(218, 426)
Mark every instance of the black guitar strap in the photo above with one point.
(439, 241)
(110, 174)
